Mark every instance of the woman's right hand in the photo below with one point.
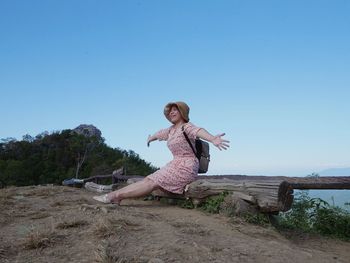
(220, 142)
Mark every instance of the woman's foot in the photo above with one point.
(107, 199)
(115, 199)
(103, 199)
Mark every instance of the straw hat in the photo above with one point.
(183, 109)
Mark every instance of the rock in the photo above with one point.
(104, 210)
(155, 260)
(88, 130)
(233, 205)
(85, 207)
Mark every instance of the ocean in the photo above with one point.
(332, 197)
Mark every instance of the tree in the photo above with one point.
(51, 158)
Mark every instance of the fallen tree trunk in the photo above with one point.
(301, 183)
(269, 196)
(117, 176)
(304, 183)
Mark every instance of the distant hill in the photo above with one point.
(335, 172)
(51, 158)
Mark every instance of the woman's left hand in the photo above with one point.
(149, 139)
(220, 142)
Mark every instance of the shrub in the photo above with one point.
(298, 216)
(212, 204)
(317, 216)
(187, 203)
(332, 221)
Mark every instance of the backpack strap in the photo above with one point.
(188, 140)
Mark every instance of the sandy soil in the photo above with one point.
(63, 224)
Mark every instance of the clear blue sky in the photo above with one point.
(273, 75)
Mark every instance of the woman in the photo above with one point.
(183, 169)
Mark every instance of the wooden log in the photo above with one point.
(301, 183)
(270, 196)
(285, 196)
(331, 182)
(117, 177)
(98, 178)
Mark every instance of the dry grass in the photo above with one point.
(71, 224)
(5, 217)
(6, 197)
(191, 228)
(40, 192)
(67, 189)
(6, 251)
(183, 224)
(2, 254)
(71, 202)
(6, 203)
(23, 207)
(58, 204)
(196, 231)
(36, 239)
(82, 201)
(48, 190)
(39, 215)
(104, 253)
(106, 227)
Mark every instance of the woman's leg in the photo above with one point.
(138, 189)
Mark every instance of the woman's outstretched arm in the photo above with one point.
(161, 135)
(151, 138)
(216, 140)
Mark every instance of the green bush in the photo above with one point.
(317, 216)
(212, 204)
(298, 216)
(187, 203)
(332, 221)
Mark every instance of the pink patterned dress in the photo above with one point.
(183, 169)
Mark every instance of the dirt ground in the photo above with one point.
(63, 224)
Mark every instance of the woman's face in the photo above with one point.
(175, 115)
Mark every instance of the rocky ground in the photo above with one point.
(63, 224)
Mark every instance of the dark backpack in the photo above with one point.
(201, 152)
